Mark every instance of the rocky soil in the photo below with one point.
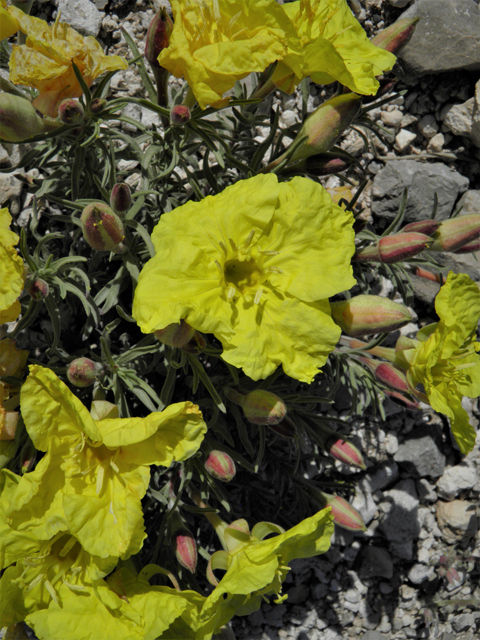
(414, 573)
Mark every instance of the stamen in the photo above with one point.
(100, 477)
(258, 296)
(216, 12)
(114, 466)
(231, 293)
(275, 270)
(110, 510)
(68, 547)
(219, 266)
(51, 591)
(269, 253)
(233, 245)
(223, 247)
(249, 239)
(75, 587)
(35, 581)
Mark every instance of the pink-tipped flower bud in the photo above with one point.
(19, 120)
(453, 234)
(82, 372)
(102, 228)
(97, 105)
(38, 290)
(366, 314)
(345, 452)
(177, 334)
(158, 39)
(428, 227)
(259, 406)
(392, 377)
(28, 456)
(397, 397)
(180, 114)
(121, 197)
(220, 466)
(394, 248)
(344, 514)
(70, 111)
(394, 37)
(185, 549)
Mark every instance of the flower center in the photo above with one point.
(243, 274)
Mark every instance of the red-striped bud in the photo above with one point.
(321, 164)
(345, 452)
(394, 37)
(180, 114)
(70, 111)
(428, 227)
(259, 406)
(401, 399)
(121, 197)
(399, 246)
(366, 314)
(344, 514)
(185, 549)
(82, 372)
(102, 228)
(38, 290)
(158, 39)
(392, 377)
(453, 234)
(220, 466)
(470, 247)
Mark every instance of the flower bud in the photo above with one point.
(38, 290)
(70, 111)
(428, 227)
(82, 372)
(453, 234)
(220, 466)
(28, 456)
(344, 514)
(470, 247)
(401, 399)
(97, 105)
(18, 119)
(180, 114)
(393, 377)
(394, 248)
(121, 197)
(344, 451)
(259, 406)
(321, 164)
(177, 334)
(185, 549)
(394, 37)
(158, 39)
(367, 314)
(102, 228)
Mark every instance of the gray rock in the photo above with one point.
(447, 38)
(426, 492)
(376, 562)
(458, 118)
(435, 144)
(374, 635)
(455, 479)
(386, 473)
(364, 502)
(404, 139)
(298, 594)
(419, 573)
(470, 202)
(420, 454)
(457, 520)
(428, 126)
(10, 189)
(400, 523)
(463, 622)
(422, 181)
(82, 15)
(476, 117)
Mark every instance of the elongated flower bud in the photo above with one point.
(121, 197)
(453, 234)
(392, 377)
(470, 247)
(321, 164)
(180, 114)
(177, 334)
(394, 37)
(394, 248)
(344, 451)
(185, 549)
(28, 456)
(344, 515)
(428, 227)
(19, 119)
(82, 372)
(102, 228)
(259, 406)
(220, 466)
(366, 314)
(401, 399)
(323, 127)
(158, 39)
(39, 289)
(70, 111)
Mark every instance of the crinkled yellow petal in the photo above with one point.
(458, 304)
(50, 408)
(444, 400)
(12, 271)
(12, 360)
(214, 44)
(8, 24)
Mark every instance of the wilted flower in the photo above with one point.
(12, 272)
(445, 361)
(45, 61)
(94, 473)
(257, 275)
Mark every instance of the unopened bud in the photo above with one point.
(470, 247)
(19, 120)
(321, 164)
(345, 452)
(367, 314)
(121, 197)
(102, 228)
(344, 514)
(428, 227)
(259, 406)
(158, 37)
(392, 377)
(177, 334)
(394, 248)
(453, 234)
(97, 105)
(408, 403)
(70, 111)
(82, 372)
(28, 456)
(185, 549)
(180, 114)
(220, 466)
(394, 37)
(38, 290)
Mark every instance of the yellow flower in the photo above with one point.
(94, 473)
(12, 272)
(45, 60)
(8, 24)
(445, 361)
(254, 265)
(330, 45)
(216, 42)
(12, 363)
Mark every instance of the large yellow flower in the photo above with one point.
(445, 359)
(330, 45)
(255, 265)
(11, 272)
(216, 42)
(45, 60)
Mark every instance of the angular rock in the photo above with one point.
(386, 473)
(404, 139)
(419, 573)
(455, 479)
(458, 118)
(457, 520)
(463, 622)
(82, 15)
(435, 144)
(420, 454)
(428, 126)
(400, 523)
(376, 562)
(447, 38)
(422, 180)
